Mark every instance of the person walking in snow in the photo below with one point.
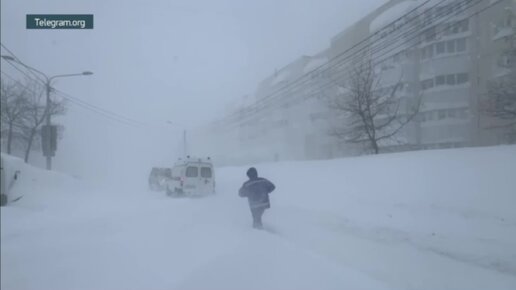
(257, 190)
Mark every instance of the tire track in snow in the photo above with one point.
(376, 249)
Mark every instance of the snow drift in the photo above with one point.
(421, 220)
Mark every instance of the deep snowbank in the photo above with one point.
(441, 218)
(420, 220)
(36, 186)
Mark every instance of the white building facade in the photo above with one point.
(442, 52)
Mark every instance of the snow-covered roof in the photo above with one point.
(502, 72)
(343, 90)
(183, 161)
(288, 73)
(392, 14)
(314, 63)
(433, 106)
(281, 76)
(239, 103)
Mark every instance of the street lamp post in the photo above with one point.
(184, 143)
(48, 89)
(184, 139)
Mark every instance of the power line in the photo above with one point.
(79, 102)
(24, 73)
(374, 49)
(435, 32)
(105, 113)
(16, 81)
(99, 109)
(329, 64)
(349, 50)
(409, 38)
(38, 77)
(402, 45)
(378, 62)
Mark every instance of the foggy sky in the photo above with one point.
(158, 61)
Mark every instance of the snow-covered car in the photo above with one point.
(191, 177)
(10, 170)
(158, 177)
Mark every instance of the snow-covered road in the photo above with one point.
(421, 220)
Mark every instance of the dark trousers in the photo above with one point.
(257, 216)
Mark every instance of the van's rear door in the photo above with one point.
(206, 178)
(191, 182)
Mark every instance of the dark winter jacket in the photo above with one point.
(257, 192)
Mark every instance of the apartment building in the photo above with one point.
(444, 53)
(447, 56)
(283, 120)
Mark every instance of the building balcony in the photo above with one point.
(503, 32)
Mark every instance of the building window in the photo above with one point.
(444, 114)
(463, 113)
(427, 84)
(450, 80)
(446, 28)
(455, 28)
(430, 51)
(421, 117)
(441, 11)
(439, 48)
(440, 80)
(462, 78)
(461, 45)
(396, 57)
(427, 52)
(450, 45)
(430, 34)
(463, 25)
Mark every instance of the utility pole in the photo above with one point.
(184, 142)
(49, 158)
(185, 149)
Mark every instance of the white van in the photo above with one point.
(191, 177)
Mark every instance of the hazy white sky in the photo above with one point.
(153, 61)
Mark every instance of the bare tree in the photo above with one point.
(501, 101)
(14, 106)
(36, 113)
(373, 113)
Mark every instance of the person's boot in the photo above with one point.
(257, 226)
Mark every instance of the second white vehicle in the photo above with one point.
(191, 177)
